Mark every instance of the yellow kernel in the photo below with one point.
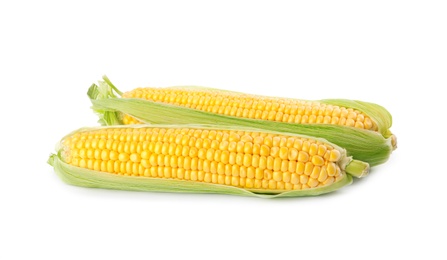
(265, 150)
(247, 160)
(161, 160)
(135, 157)
(145, 163)
(334, 156)
(186, 163)
(331, 169)
(255, 160)
(277, 176)
(288, 186)
(246, 138)
(323, 175)
(145, 154)
(109, 167)
(105, 155)
(313, 149)
(167, 172)
(308, 168)
(210, 154)
(321, 150)
(83, 163)
(249, 183)
(180, 173)
(124, 157)
(220, 168)
(270, 162)
(272, 184)
(97, 165)
(258, 140)
(240, 147)
(202, 153)
(83, 153)
(185, 151)
(303, 156)
(298, 144)
(261, 184)
(289, 142)
(248, 172)
(315, 172)
(317, 160)
(304, 179)
(248, 147)
(207, 177)
(206, 166)
(286, 176)
(284, 165)
(193, 152)
(239, 159)
(268, 142)
(276, 141)
(360, 118)
(350, 122)
(277, 164)
(194, 163)
(292, 166)
(206, 143)
(223, 145)
(224, 157)
(368, 124)
(292, 154)
(227, 180)
(256, 148)
(213, 167)
(193, 176)
(312, 182)
(97, 154)
(235, 171)
(294, 178)
(280, 185)
(258, 173)
(187, 175)
(234, 181)
(300, 168)
(283, 153)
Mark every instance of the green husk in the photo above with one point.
(364, 145)
(95, 179)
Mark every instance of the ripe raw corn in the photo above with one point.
(210, 159)
(243, 105)
(360, 127)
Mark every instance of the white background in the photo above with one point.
(389, 52)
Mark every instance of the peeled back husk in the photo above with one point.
(90, 178)
(365, 145)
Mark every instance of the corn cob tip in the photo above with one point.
(393, 141)
(357, 168)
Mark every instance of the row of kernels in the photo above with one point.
(257, 107)
(247, 179)
(247, 144)
(242, 163)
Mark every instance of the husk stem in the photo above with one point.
(364, 145)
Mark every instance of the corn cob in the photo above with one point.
(209, 159)
(360, 127)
